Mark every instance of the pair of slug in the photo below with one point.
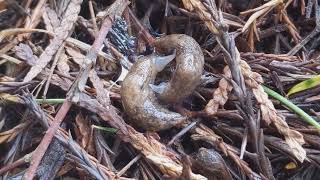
(140, 97)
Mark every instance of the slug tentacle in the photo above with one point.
(189, 66)
(159, 88)
(161, 62)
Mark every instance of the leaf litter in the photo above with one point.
(80, 51)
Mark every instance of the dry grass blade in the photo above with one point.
(9, 135)
(51, 20)
(9, 32)
(195, 5)
(260, 12)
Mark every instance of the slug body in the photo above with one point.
(189, 67)
(139, 100)
(210, 163)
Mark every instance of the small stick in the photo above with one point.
(45, 142)
(142, 30)
(54, 64)
(8, 167)
(182, 132)
(124, 169)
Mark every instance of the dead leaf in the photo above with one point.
(63, 65)
(85, 132)
(50, 19)
(24, 52)
(76, 55)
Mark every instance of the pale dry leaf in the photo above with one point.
(102, 93)
(50, 19)
(61, 35)
(62, 6)
(187, 4)
(293, 138)
(220, 95)
(76, 55)
(114, 10)
(63, 65)
(84, 130)
(2, 124)
(266, 5)
(24, 52)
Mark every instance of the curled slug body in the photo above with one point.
(139, 100)
(189, 67)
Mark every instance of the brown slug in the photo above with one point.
(139, 100)
(189, 67)
(210, 163)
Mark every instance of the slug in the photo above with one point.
(139, 100)
(189, 67)
(210, 163)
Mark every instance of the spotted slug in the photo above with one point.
(189, 67)
(139, 100)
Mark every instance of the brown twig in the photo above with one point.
(142, 30)
(46, 140)
(25, 159)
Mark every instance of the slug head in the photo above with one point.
(159, 63)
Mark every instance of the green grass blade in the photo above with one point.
(109, 130)
(50, 101)
(292, 106)
(304, 85)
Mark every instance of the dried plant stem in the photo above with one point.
(54, 64)
(25, 159)
(142, 30)
(45, 142)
